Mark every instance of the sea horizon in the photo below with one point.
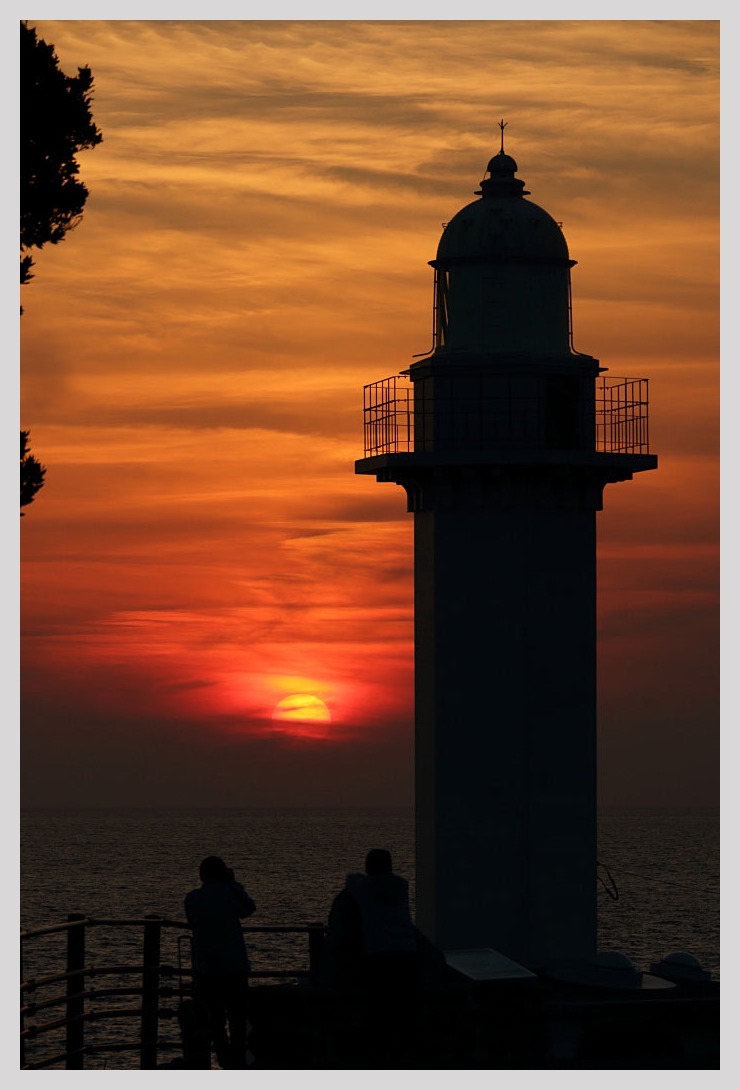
(334, 806)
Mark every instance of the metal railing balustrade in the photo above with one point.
(398, 419)
(84, 1004)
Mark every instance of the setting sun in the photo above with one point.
(302, 708)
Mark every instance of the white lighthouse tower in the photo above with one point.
(503, 439)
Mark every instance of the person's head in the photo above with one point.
(378, 861)
(213, 869)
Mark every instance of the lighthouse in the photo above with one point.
(504, 438)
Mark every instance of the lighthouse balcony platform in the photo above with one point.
(509, 419)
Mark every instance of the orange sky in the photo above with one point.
(254, 249)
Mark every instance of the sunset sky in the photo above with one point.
(253, 251)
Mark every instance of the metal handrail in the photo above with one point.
(95, 921)
(151, 969)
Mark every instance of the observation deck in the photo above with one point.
(398, 420)
(83, 1007)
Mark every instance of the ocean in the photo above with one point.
(659, 868)
(127, 863)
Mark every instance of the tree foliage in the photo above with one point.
(32, 473)
(56, 123)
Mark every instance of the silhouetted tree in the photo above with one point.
(56, 123)
(32, 473)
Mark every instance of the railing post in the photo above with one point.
(23, 1021)
(150, 992)
(315, 948)
(75, 997)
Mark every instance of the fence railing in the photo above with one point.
(74, 991)
(613, 411)
(389, 416)
(622, 415)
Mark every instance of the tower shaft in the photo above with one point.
(505, 619)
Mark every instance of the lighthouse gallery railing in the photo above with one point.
(620, 416)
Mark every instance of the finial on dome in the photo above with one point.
(501, 170)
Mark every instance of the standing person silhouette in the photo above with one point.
(220, 961)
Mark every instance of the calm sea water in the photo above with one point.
(128, 863)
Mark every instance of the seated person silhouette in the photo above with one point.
(388, 939)
(372, 944)
(342, 953)
(220, 961)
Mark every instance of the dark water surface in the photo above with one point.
(129, 863)
(132, 862)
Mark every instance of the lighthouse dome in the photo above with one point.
(502, 164)
(502, 224)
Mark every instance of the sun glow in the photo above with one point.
(301, 708)
(307, 713)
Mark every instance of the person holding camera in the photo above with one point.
(220, 962)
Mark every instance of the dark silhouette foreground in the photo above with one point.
(371, 946)
(220, 963)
